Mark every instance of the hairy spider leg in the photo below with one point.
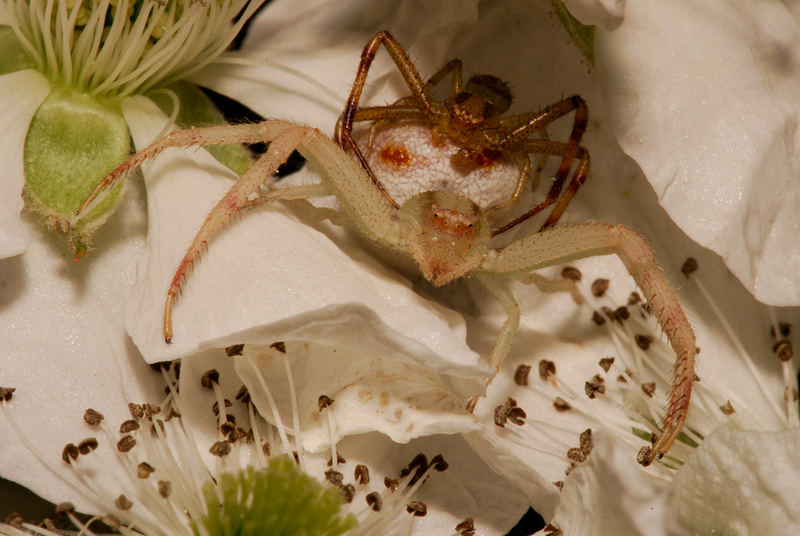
(406, 108)
(341, 176)
(453, 66)
(419, 91)
(564, 244)
(526, 172)
(571, 150)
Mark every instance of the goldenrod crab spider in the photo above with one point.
(445, 233)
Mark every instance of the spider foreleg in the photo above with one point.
(197, 137)
(565, 244)
(238, 197)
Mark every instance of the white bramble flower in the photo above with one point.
(281, 275)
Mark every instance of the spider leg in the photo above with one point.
(564, 244)
(524, 174)
(453, 66)
(341, 176)
(414, 81)
(497, 287)
(237, 198)
(419, 91)
(527, 124)
(548, 147)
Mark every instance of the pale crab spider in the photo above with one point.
(444, 232)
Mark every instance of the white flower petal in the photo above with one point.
(23, 92)
(399, 398)
(65, 349)
(710, 114)
(741, 483)
(295, 283)
(467, 488)
(610, 495)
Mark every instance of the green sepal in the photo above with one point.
(74, 140)
(580, 34)
(197, 110)
(280, 499)
(12, 56)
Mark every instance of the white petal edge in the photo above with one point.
(270, 277)
(715, 131)
(23, 92)
(605, 13)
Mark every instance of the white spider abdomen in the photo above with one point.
(408, 159)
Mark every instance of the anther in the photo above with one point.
(64, 508)
(361, 474)
(92, 417)
(70, 453)
(571, 273)
(144, 469)
(209, 378)
(234, 349)
(417, 508)
(324, 401)
(87, 445)
(128, 426)
(123, 503)
(126, 443)
(599, 287)
(546, 369)
(374, 501)
(220, 448)
(521, 375)
(164, 488)
(689, 266)
(606, 363)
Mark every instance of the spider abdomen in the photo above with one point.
(409, 158)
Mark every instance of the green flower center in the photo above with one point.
(280, 499)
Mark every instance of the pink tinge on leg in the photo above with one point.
(639, 259)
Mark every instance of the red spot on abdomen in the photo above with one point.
(395, 155)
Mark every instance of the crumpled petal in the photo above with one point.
(609, 495)
(65, 349)
(399, 398)
(270, 277)
(741, 483)
(704, 97)
(23, 92)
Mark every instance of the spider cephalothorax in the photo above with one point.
(405, 194)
